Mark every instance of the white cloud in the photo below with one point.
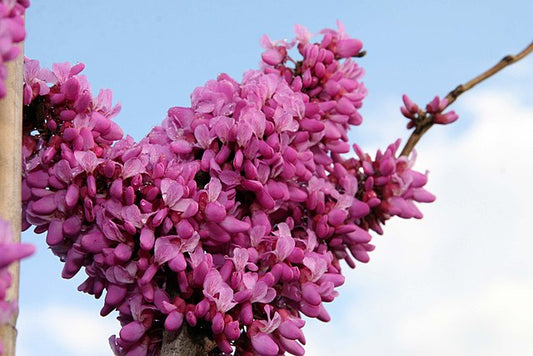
(460, 281)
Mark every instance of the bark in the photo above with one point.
(10, 178)
(184, 343)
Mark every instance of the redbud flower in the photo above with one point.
(234, 213)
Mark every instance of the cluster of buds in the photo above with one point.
(432, 115)
(11, 32)
(10, 252)
(232, 217)
(390, 186)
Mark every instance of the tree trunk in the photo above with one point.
(10, 178)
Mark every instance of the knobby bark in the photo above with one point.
(185, 343)
(10, 178)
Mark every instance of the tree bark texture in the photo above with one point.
(10, 178)
(184, 343)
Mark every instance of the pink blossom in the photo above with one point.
(216, 290)
(243, 201)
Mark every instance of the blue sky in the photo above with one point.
(459, 281)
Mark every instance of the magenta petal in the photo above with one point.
(292, 346)
(252, 185)
(336, 217)
(387, 166)
(409, 105)
(272, 57)
(71, 88)
(447, 118)
(433, 106)
(88, 139)
(264, 344)
(217, 324)
(94, 241)
(359, 236)
(67, 115)
(73, 262)
(336, 279)
(147, 238)
(246, 315)
(181, 147)
(91, 185)
(115, 132)
(55, 232)
(201, 308)
(311, 125)
(166, 249)
(265, 199)
(45, 205)
(123, 252)
(360, 253)
(297, 194)
(191, 318)
(215, 212)
(178, 263)
(323, 315)
(243, 295)
(132, 167)
(348, 47)
(310, 310)
(72, 226)
(290, 330)
(422, 195)
(38, 179)
(159, 217)
(116, 189)
(359, 209)
(310, 293)
(184, 229)
(100, 122)
(232, 330)
(72, 195)
(188, 206)
(14, 252)
(132, 332)
(174, 321)
(233, 225)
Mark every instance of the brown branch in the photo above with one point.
(10, 173)
(185, 343)
(423, 125)
(421, 128)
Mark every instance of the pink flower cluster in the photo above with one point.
(231, 217)
(11, 32)
(434, 109)
(10, 252)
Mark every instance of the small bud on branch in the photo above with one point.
(422, 120)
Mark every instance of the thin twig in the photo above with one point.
(425, 124)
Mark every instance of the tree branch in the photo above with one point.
(426, 121)
(185, 343)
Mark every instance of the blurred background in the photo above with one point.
(460, 281)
